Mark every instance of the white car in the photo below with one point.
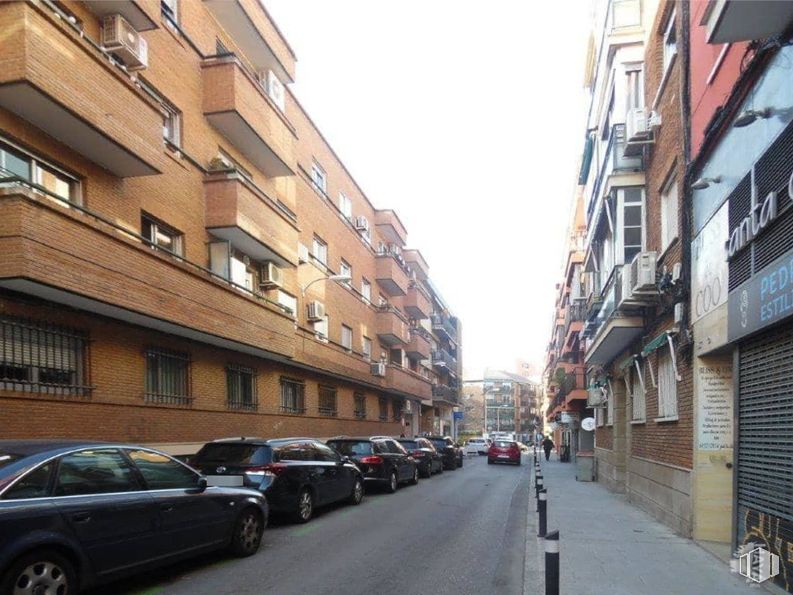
(477, 446)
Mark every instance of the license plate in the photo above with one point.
(503, 456)
(225, 481)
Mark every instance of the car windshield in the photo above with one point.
(410, 444)
(502, 444)
(439, 443)
(350, 449)
(6, 458)
(234, 454)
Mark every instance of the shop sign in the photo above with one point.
(763, 300)
(760, 216)
(709, 268)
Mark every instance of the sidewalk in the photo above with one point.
(610, 546)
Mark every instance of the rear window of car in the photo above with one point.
(234, 454)
(503, 443)
(410, 444)
(439, 443)
(476, 441)
(349, 448)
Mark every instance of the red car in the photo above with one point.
(503, 451)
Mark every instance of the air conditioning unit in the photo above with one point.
(627, 288)
(271, 275)
(276, 91)
(677, 270)
(119, 37)
(597, 396)
(642, 272)
(680, 310)
(316, 311)
(637, 131)
(378, 369)
(362, 224)
(394, 249)
(302, 253)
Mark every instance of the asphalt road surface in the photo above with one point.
(460, 532)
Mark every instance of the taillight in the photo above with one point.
(417, 453)
(273, 469)
(372, 460)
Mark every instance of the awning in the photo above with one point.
(664, 338)
(655, 344)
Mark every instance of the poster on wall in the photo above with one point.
(715, 398)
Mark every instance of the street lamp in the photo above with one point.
(336, 278)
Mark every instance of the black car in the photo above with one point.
(381, 459)
(76, 514)
(451, 453)
(428, 459)
(296, 475)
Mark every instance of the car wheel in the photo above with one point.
(489, 461)
(415, 478)
(247, 533)
(41, 571)
(393, 483)
(305, 506)
(460, 462)
(427, 472)
(357, 492)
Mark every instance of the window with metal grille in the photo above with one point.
(346, 337)
(637, 392)
(43, 358)
(397, 409)
(327, 401)
(293, 396)
(360, 405)
(610, 408)
(241, 387)
(383, 409)
(667, 387)
(167, 377)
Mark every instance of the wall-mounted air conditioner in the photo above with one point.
(378, 369)
(302, 253)
(597, 397)
(316, 311)
(642, 272)
(362, 224)
(271, 275)
(119, 37)
(276, 91)
(636, 128)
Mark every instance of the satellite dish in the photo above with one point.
(588, 423)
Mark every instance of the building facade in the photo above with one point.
(511, 403)
(184, 256)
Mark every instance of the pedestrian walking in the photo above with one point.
(547, 444)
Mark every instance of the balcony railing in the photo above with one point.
(443, 359)
(443, 325)
(446, 393)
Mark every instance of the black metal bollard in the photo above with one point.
(538, 486)
(552, 563)
(542, 508)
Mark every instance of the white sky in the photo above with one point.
(466, 117)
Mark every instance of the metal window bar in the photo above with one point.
(167, 377)
(241, 388)
(292, 396)
(383, 409)
(397, 410)
(360, 406)
(327, 401)
(44, 358)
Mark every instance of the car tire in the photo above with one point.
(415, 479)
(43, 567)
(305, 506)
(440, 469)
(357, 492)
(247, 536)
(393, 483)
(427, 472)
(460, 463)
(490, 461)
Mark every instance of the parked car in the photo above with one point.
(504, 451)
(76, 514)
(451, 453)
(381, 459)
(297, 475)
(477, 446)
(428, 459)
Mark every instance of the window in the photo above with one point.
(625, 13)
(397, 409)
(346, 337)
(287, 300)
(296, 451)
(241, 387)
(325, 453)
(360, 405)
(668, 213)
(635, 86)
(35, 484)
(318, 177)
(327, 401)
(319, 249)
(367, 347)
(161, 235)
(241, 273)
(293, 396)
(383, 402)
(171, 124)
(366, 290)
(170, 10)
(232, 163)
(670, 42)
(637, 392)
(43, 358)
(345, 205)
(610, 407)
(346, 270)
(667, 387)
(599, 417)
(94, 472)
(321, 327)
(167, 377)
(631, 222)
(161, 472)
(15, 163)
(220, 47)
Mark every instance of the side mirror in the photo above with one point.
(202, 484)
(346, 459)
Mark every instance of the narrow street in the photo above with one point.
(460, 532)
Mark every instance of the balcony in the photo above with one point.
(441, 392)
(141, 14)
(615, 327)
(236, 105)
(442, 359)
(66, 86)
(417, 264)
(250, 27)
(391, 275)
(392, 328)
(444, 327)
(237, 211)
(419, 346)
(728, 21)
(75, 258)
(406, 382)
(390, 227)
(417, 303)
(573, 387)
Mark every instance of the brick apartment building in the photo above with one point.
(511, 403)
(184, 256)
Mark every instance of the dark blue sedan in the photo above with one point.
(75, 514)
